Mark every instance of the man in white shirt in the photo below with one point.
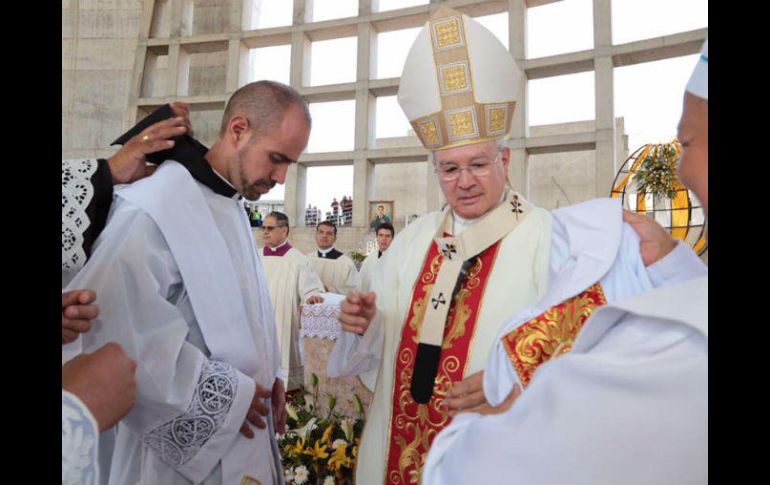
(337, 271)
(385, 233)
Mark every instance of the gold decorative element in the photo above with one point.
(419, 313)
(247, 480)
(448, 33)
(429, 133)
(413, 426)
(462, 312)
(473, 280)
(462, 123)
(551, 333)
(455, 78)
(496, 118)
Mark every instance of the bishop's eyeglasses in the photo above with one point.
(270, 228)
(449, 172)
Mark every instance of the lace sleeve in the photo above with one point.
(178, 440)
(76, 193)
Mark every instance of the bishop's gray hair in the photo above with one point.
(501, 143)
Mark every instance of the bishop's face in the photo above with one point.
(470, 195)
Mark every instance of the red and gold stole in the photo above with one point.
(550, 334)
(413, 426)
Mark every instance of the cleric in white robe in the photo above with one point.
(627, 401)
(337, 271)
(87, 192)
(384, 234)
(452, 279)
(182, 289)
(291, 282)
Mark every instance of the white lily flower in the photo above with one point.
(300, 474)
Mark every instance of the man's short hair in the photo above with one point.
(381, 207)
(264, 103)
(388, 226)
(327, 223)
(281, 218)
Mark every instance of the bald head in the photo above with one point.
(265, 104)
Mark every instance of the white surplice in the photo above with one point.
(291, 281)
(181, 288)
(338, 275)
(365, 273)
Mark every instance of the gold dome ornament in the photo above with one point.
(648, 183)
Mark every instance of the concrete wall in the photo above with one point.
(303, 238)
(99, 39)
(404, 184)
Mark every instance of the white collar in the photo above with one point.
(461, 224)
(325, 252)
(236, 195)
(284, 243)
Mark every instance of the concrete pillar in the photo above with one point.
(366, 7)
(299, 75)
(604, 98)
(517, 42)
(365, 101)
(363, 189)
(237, 65)
(294, 194)
(181, 17)
(235, 9)
(518, 171)
(434, 198)
(363, 169)
(129, 117)
(296, 178)
(303, 12)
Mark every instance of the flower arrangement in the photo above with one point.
(319, 450)
(357, 256)
(657, 174)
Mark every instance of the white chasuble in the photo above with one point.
(517, 278)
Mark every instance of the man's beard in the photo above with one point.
(250, 191)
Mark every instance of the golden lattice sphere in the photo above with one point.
(681, 215)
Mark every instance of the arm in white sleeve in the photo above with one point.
(79, 442)
(309, 283)
(353, 280)
(679, 265)
(353, 354)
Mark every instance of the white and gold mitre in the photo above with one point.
(458, 83)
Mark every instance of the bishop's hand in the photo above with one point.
(358, 311)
